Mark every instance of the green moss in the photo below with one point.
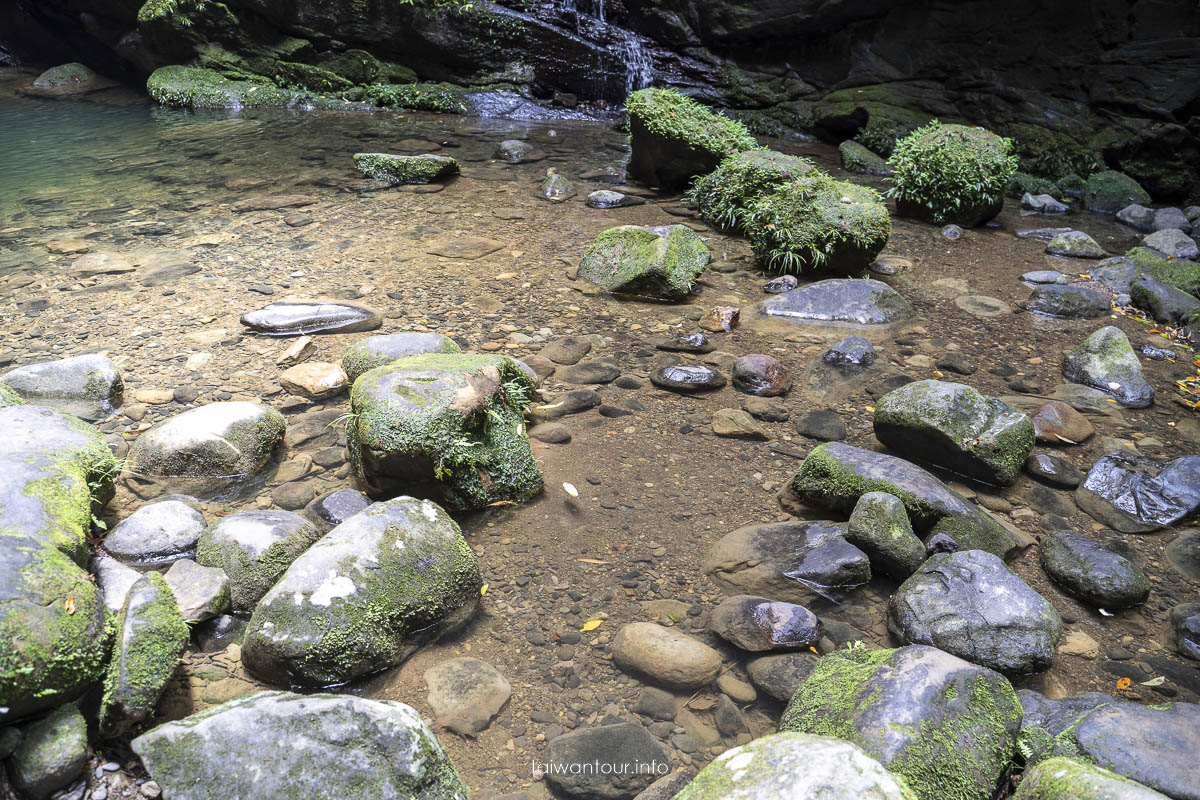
(951, 173)
(441, 98)
(292, 75)
(1110, 191)
(662, 263)
(361, 357)
(828, 701)
(1179, 273)
(1022, 183)
(9, 398)
(818, 223)
(671, 115)
(724, 195)
(856, 158)
(792, 118)
(1063, 778)
(405, 169)
(198, 87)
(1051, 154)
(252, 575)
(887, 117)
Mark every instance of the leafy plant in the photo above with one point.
(722, 196)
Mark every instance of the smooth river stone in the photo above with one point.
(845, 300)
(692, 378)
(757, 624)
(297, 317)
(665, 654)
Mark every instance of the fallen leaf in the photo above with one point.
(1159, 681)
(591, 625)
(570, 489)
(592, 561)
(1123, 684)
(483, 589)
(70, 605)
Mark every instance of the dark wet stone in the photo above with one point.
(952, 232)
(780, 675)
(626, 754)
(950, 603)
(333, 508)
(760, 375)
(605, 198)
(1157, 353)
(691, 378)
(1117, 273)
(836, 475)
(1185, 629)
(1155, 746)
(589, 372)
(1042, 234)
(1068, 302)
(957, 363)
(850, 355)
(1044, 276)
(1053, 470)
(1137, 217)
(1184, 554)
(1135, 494)
(860, 301)
(1164, 303)
(687, 343)
(788, 560)
(297, 317)
(879, 526)
(824, 425)
(940, 543)
(757, 624)
(784, 283)
(1106, 361)
(218, 633)
(1090, 572)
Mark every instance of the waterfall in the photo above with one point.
(626, 46)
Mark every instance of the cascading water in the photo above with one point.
(626, 46)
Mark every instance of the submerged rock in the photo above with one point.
(254, 549)
(1068, 302)
(954, 426)
(88, 386)
(302, 317)
(151, 637)
(515, 151)
(364, 597)
(850, 355)
(760, 375)
(379, 747)
(379, 351)
(789, 561)
(687, 343)
(556, 188)
(405, 169)
(950, 603)
(947, 726)
(660, 262)
(786, 766)
(859, 301)
(1092, 573)
(1137, 495)
(1106, 361)
(444, 425)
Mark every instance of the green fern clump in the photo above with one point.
(817, 223)
(722, 196)
(951, 173)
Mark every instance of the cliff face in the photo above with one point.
(1077, 82)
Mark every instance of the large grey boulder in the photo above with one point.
(789, 561)
(211, 449)
(156, 533)
(1106, 361)
(444, 425)
(836, 475)
(611, 762)
(1165, 303)
(52, 754)
(1091, 572)
(796, 766)
(1068, 302)
(379, 351)
(273, 745)
(254, 549)
(1135, 494)
(954, 426)
(947, 726)
(841, 300)
(1172, 243)
(1060, 778)
(952, 603)
(151, 637)
(366, 596)
(660, 262)
(88, 386)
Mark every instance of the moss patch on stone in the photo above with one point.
(405, 169)
(663, 262)
(1110, 191)
(198, 87)
(440, 98)
(667, 113)
(9, 398)
(724, 195)
(1178, 273)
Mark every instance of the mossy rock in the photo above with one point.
(444, 425)
(876, 116)
(440, 98)
(405, 169)
(9, 398)
(198, 87)
(673, 138)
(662, 262)
(54, 625)
(52, 753)
(368, 594)
(1109, 191)
(724, 195)
(857, 158)
(1051, 154)
(1177, 273)
(254, 548)
(818, 224)
(1063, 778)
(379, 351)
(1022, 183)
(64, 75)
(1106, 361)
(793, 118)
(291, 75)
(355, 66)
(285, 745)
(89, 386)
(951, 174)
(947, 726)
(151, 638)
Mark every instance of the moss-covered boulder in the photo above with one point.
(947, 726)
(151, 637)
(724, 195)
(856, 158)
(211, 449)
(836, 475)
(787, 766)
(52, 753)
(8, 397)
(951, 603)
(379, 351)
(405, 169)
(673, 138)
(1022, 183)
(661, 262)
(88, 386)
(1179, 274)
(816, 223)
(255, 548)
(1110, 191)
(198, 87)
(278, 744)
(951, 173)
(879, 527)
(1062, 778)
(54, 625)
(444, 425)
(1106, 361)
(876, 115)
(373, 590)
(954, 426)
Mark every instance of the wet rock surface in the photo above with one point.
(1138, 495)
(1105, 361)
(863, 302)
(1092, 573)
(294, 318)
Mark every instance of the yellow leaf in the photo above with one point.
(70, 604)
(483, 589)
(1124, 683)
(591, 625)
